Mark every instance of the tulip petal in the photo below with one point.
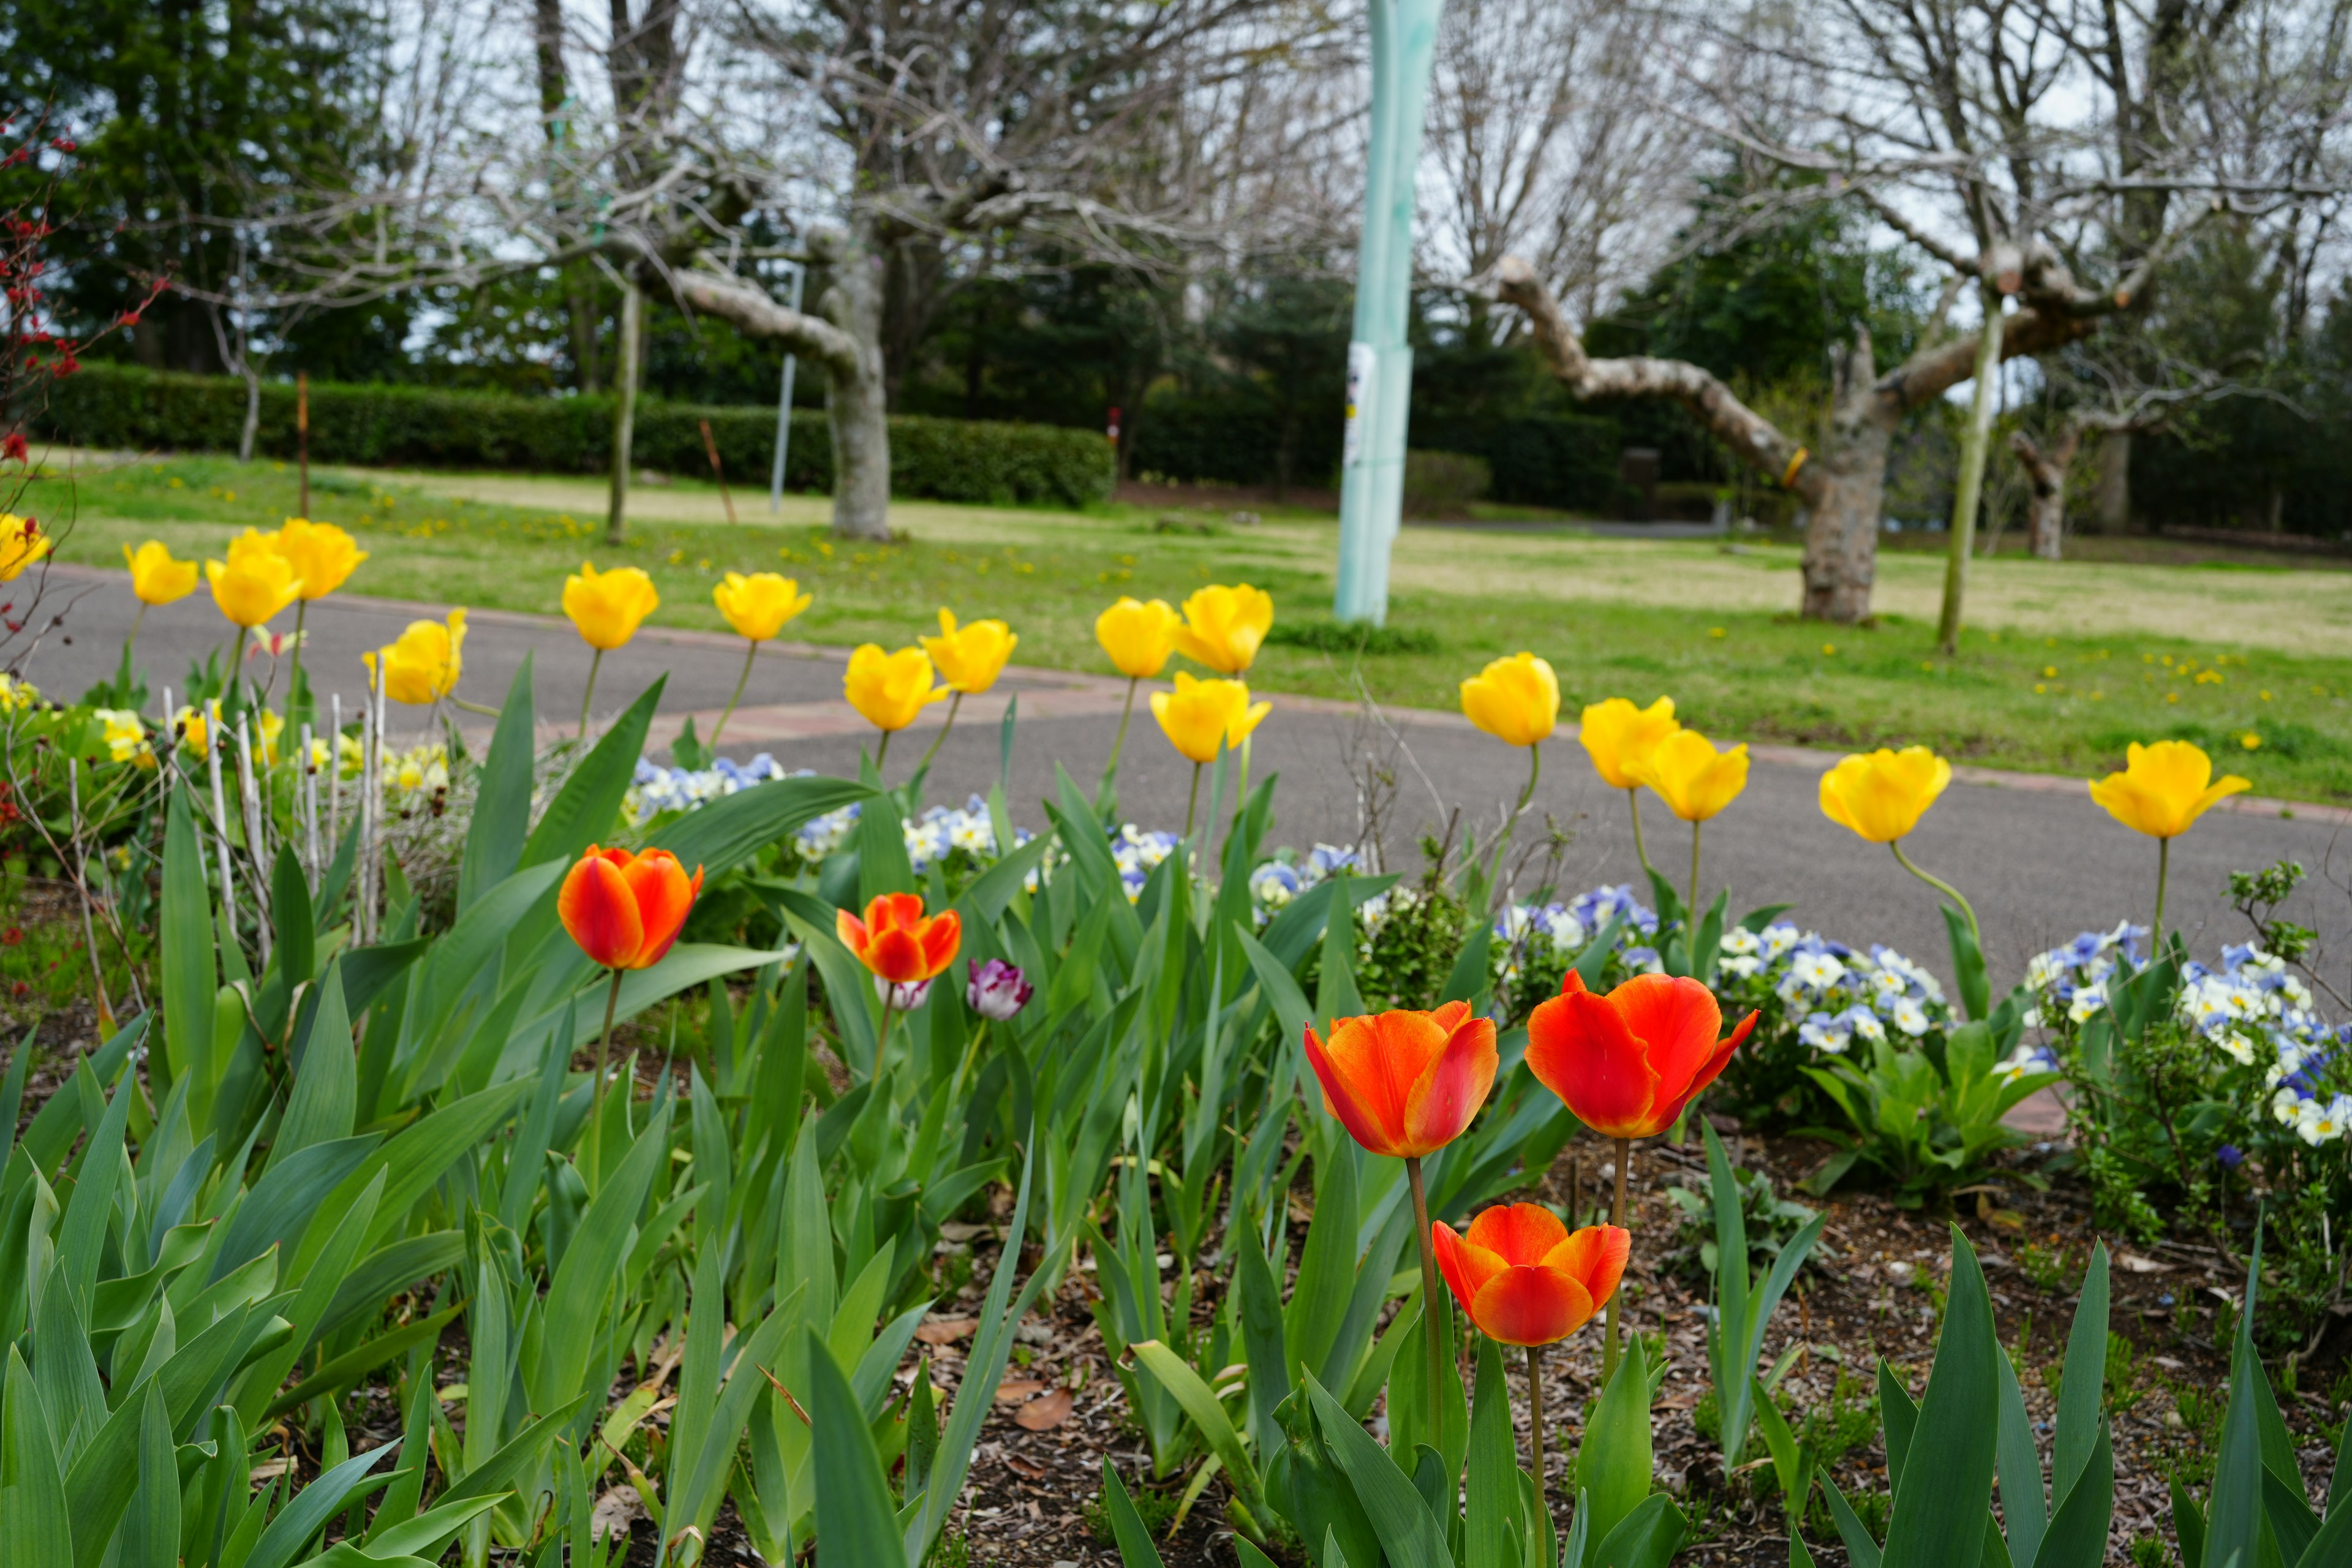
(1677, 1020)
(1531, 1306)
(664, 894)
(896, 956)
(1455, 1085)
(1387, 1060)
(941, 936)
(1520, 1233)
(1595, 1257)
(1446, 1248)
(1671, 1107)
(597, 907)
(1581, 1050)
(1339, 1099)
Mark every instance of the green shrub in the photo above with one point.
(1444, 484)
(937, 459)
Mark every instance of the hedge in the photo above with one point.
(128, 407)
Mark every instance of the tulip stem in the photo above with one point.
(1119, 743)
(227, 695)
(1967, 913)
(596, 1094)
(741, 680)
(882, 751)
(1192, 801)
(1428, 1299)
(484, 709)
(131, 642)
(1634, 799)
(1617, 1218)
(1503, 840)
(953, 703)
(590, 695)
(1535, 1422)
(2163, 865)
(1694, 898)
(294, 672)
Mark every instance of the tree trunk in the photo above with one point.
(1971, 489)
(252, 427)
(2111, 496)
(2045, 509)
(625, 413)
(1841, 558)
(857, 404)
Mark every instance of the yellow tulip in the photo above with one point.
(254, 584)
(1138, 636)
(1515, 700)
(1882, 794)
(607, 608)
(2164, 788)
(155, 577)
(890, 689)
(22, 542)
(970, 657)
(1223, 626)
(322, 556)
(423, 665)
(1621, 737)
(1201, 716)
(1693, 778)
(758, 606)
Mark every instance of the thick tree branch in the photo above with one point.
(749, 309)
(1756, 439)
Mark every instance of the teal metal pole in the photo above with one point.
(1380, 361)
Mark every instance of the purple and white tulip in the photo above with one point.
(997, 990)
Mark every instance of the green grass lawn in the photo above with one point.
(2063, 666)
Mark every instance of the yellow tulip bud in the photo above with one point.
(155, 577)
(256, 582)
(758, 606)
(1138, 636)
(1515, 700)
(423, 665)
(1882, 794)
(22, 542)
(322, 556)
(1621, 737)
(1199, 716)
(971, 659)
(1225, 627)
(1693, 778)
(890, 689)
(607, 608)
(2164, 788)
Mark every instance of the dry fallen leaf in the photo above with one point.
(2136, 1264)
(945, 1331)
(959, 1230)
(1011, 1393)
(1021, 1467)
(1046, 1411)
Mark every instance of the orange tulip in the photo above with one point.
(898, 942)
(1524, 1280)
(624, 911)
(1406, 1083)
(1628, 1062)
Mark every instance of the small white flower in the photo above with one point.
(1818, 970)
(1739, 941)
(2087, 1003)
(1742, 967)
(1910, 1017)
(2285, 1105)
(2240, 1048)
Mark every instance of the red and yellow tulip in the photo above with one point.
(1524, 1280)
(1626, 1063)
(1404, 1083)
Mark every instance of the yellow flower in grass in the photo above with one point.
(1200, 715)
(2164, 788)
(758, 606)
(22, 542)
(124, 735)
(322, 556)
(16, 695)
(1693, 778)
(891, 689)
(194, 729)
(255, 582)
(1882, 794)
(1224, 627)
(155, 577)
(1621, 738)
(1515, 700)
(1138, 636)
(607, 608)
(423, 665)
(969, 658)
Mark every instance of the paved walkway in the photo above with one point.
(2038, 860)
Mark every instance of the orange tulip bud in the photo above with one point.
(1406, 1083)
(624, 911)
(898, 942)
(1523, 1278)
(1628, 1062)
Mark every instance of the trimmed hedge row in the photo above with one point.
(125, 406)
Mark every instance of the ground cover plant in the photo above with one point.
(552, 1155)
(2074, 660)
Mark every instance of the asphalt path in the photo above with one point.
(2038, 860)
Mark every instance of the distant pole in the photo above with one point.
(1379, 361)
(784, 407)
(302, 436)
(1974, 440)
(711, 445)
